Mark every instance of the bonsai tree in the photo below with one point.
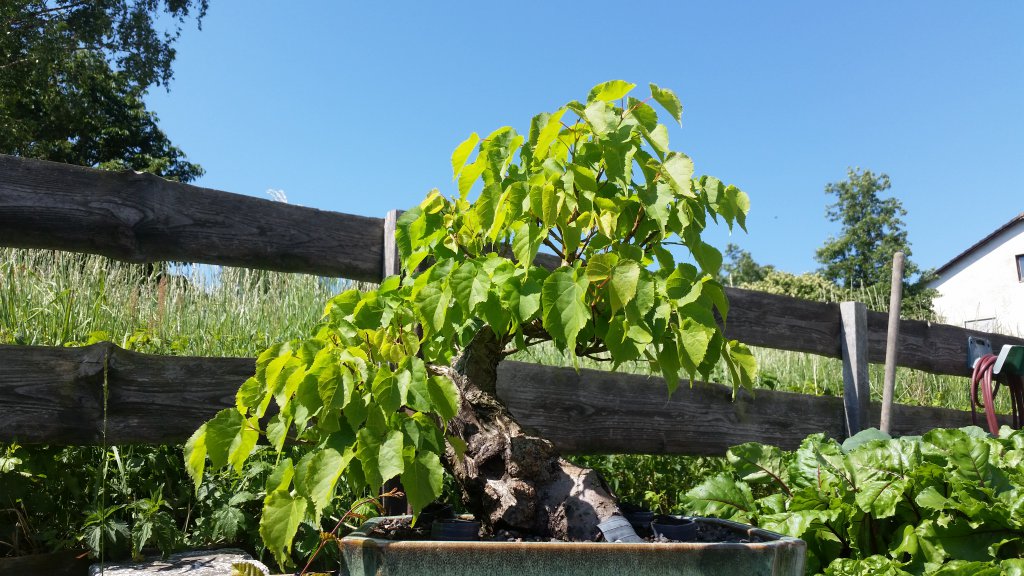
(401, 381)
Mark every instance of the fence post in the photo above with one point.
(854, 336)
(392, 262)
(392, 266)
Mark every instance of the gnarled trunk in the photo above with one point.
(512, 480)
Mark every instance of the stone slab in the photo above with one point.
(193, 563)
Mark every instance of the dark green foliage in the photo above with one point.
(945, 503)
(119, 503)
(73, 76)
(657, 483)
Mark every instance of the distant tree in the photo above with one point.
(73, 75)
(872, 232)
(741, 268)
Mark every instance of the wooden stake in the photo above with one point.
(892, 341)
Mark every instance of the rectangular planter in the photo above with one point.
(776, 555)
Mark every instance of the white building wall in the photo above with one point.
(983, 291)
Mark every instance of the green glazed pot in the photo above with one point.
(774, 555)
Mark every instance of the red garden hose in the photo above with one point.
(982, 379)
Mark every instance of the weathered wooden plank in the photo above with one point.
(143, 218)
(927, 346)
(604, 412)
(164, 399)
(51, 395)
(782, 322)
(856, 388)
(55, 396)
(785, 323)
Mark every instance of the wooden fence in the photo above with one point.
(101, 393)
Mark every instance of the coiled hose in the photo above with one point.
(982, 381)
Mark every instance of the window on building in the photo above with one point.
(981, 324)
(1020, 267)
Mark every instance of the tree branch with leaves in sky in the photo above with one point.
(73, 77)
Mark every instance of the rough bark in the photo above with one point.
(511, 480)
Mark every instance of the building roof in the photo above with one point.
(979, 244)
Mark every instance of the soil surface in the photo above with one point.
(401, 529)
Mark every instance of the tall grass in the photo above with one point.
(62, 299)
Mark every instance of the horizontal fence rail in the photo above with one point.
(143, 218)
(57, 396)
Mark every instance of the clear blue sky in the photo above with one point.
(356, 106)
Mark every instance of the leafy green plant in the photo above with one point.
(949, 502)
(595, 186)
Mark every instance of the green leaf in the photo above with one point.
(422, 479)
(668, 360)
(709, 258)
(388, 389)
(526, 241)
(969, 454)
(230, 438)
(195, 455)
(462, 152)
(548, 134)
(368, 451)
(413, 375)
(601, 117)
(722, 497)
(678, 170)
(621, 345)
(760, 463)
(470, 284)
(245, 568)
(609, 91)
(470, 173)
(565, 312)
(881, 477)
(390, 457)
(444, 397)
(282, 513)
(744, 362)
(522, 295)
(432, 304)
(659, 140)
(668, 100)
(317, 474)
(334, 383)
(695, 339)
(281, 477)
(250, 395)
(277, 430)
(622, 287)
(600, 266)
